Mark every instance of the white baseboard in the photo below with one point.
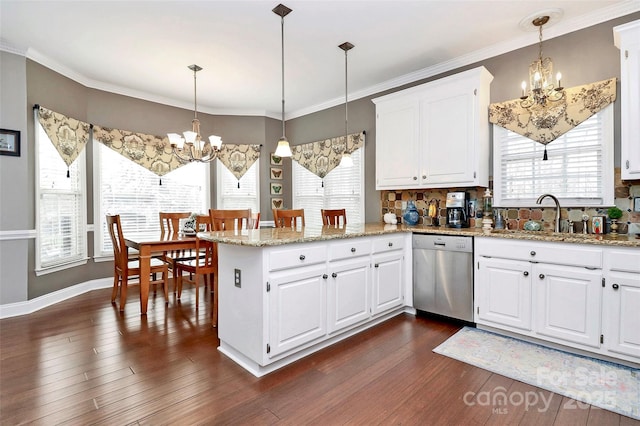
(30, 306)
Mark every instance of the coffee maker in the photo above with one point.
(457, 210)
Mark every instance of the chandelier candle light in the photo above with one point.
(191, 147)
(541, 87)
(283, 149)
(346, 160)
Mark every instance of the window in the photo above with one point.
(138, 195)
(343, 189)
(61, 225)
(579, 171)
(230, 195)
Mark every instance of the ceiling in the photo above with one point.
(143, 48)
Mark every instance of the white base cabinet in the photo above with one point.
(622, 302)
(280, 303)
(503, 293)
(582, 296)
(435, 135)
(567, 303)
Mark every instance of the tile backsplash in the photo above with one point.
(515, 218)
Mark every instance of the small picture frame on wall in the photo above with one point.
(277, 203)
(275, 160)
(276, 173)
(597, 225)
(10, 142)
(276, 188)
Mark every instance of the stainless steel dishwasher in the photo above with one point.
(443, 275)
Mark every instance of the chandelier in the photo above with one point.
(346, 160)
(541, 87)
(283, 149)
(190, 147)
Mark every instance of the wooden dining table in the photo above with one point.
(150, 244)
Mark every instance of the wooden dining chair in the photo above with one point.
(205, 265)
(125, 267)
(170, 221)
(288, 218)
(170, 224)
(226, 220)
(333, 217)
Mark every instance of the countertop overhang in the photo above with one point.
(279, 236)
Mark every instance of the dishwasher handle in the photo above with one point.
(439, 243)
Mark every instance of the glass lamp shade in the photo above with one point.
(215, 141)
(283, 149)
(346, 160)
(176, 139)
(190, 136)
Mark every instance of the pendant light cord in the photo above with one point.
(282, 45)
(346, 102)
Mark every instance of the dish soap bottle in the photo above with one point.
(411, 215)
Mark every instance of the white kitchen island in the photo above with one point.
(284, 294)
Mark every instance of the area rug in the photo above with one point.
(602, 384)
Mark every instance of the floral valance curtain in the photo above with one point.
(323, 156)
(151, 152)
(546, 123)
(68, 135)
(238, 158)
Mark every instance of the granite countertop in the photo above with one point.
(279, 236)
(623, 240)
(275, 237)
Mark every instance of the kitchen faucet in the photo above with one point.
(556, 227)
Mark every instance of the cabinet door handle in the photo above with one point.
(424, 176)
(353, 249)
(615, 286)
(334, 275)
(532, 253)
(376, 265)
(415, 178)
(302, 257)
(325, 276)
(525, 273)
(541, 276)
(390, 244)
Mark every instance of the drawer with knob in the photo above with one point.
(352, 248)
(297, 255)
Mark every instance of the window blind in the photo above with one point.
(232, 196)
(343, 189)
(128, 189)
(579, 169)
(61, 206)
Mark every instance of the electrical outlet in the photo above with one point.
(236, 278)
(636, 204)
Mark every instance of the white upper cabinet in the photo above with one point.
(627, 39)
(435, 135)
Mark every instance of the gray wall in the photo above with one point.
(15, 183)
(584, 56)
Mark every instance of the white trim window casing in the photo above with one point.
(233, 194)
(138, 195)
(342, 188)
(579, 170)
(61, 208)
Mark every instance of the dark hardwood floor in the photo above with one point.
(83, 362)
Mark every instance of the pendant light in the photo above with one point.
(346, 160)
(191, 147)
(283, 149)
